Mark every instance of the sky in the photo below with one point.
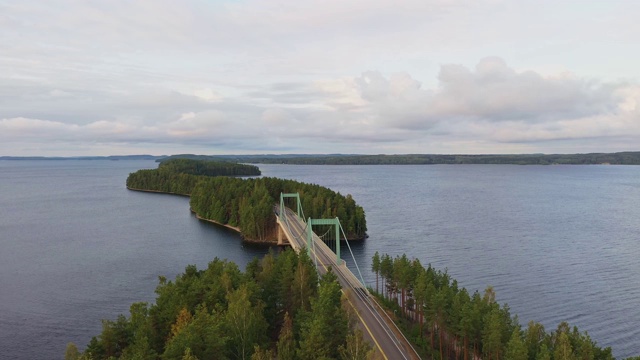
(80, 78)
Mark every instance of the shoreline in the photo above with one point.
(157, 192)
(234, 228)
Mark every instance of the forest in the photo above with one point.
(619, 158)
(207, 168)
(446, 322)
(248, 204)
(277, 308)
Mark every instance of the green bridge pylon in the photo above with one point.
(296, 195)
(336, 224)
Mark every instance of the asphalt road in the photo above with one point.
(375, 324)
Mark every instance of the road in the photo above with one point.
(374, 322)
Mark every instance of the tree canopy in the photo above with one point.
(248, 203)
(619, 158)
(449, 323)
(208, 168)
(223, 313)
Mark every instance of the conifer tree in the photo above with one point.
(516, 349)
(563, 349)
(286, 342)
(245, 322)
(543, 353)
(326, 327)
(375, 267)
(356, 348)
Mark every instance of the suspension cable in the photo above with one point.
(353, 257)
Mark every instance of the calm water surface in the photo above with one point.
(558, 243)
(77, 247)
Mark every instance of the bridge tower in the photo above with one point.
(335, 223)
(296, 195)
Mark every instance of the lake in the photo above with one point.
(558, 243)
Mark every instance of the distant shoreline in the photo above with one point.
(618, 158)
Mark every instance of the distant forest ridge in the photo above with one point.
(620, 158)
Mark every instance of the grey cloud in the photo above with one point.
(494, 91)
(287, 93)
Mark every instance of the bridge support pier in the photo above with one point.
(280, 236)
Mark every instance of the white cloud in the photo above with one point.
(491, 103)
(207, 95)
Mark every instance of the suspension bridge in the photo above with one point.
(377, 326)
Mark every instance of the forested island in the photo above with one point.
(276, 308)
(218, 195)
(444, 321)
(620, 158)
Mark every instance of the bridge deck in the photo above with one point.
(374, 321)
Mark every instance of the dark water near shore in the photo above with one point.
(557, 242)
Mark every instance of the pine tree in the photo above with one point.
(492, 334)
(245, 322)
(543, 353)
(261, 354)
(286, 342)
(326, 327)
(204, 337)
(356, 348)
(375, 267)
(516, 349)
(562, 349)
(71, 352)
(188, 355)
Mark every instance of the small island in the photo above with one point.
(219, 195)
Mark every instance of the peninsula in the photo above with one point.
(218, 194)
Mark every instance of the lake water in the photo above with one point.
(558, 243)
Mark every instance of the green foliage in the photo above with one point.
(222, 313)
(516, 348)
(204, 337)
(562, 348)
(543, 353)
(325, 328)
(247, 204)
(262, 354)
(375, 267)
(71, 352)
(207, 168)
(443, 319)
(356, 348)
(620, 158)
(188, 355)
(286, 342)
(245, 322)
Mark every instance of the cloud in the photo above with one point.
(494, 96)
(318, 76)
(496, 92)
(207, 95)
(491, 103)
